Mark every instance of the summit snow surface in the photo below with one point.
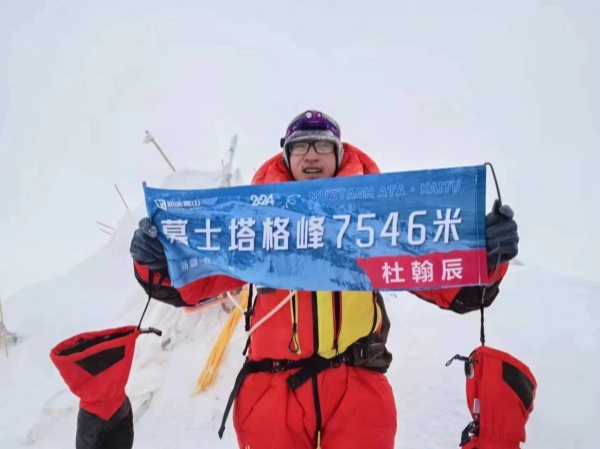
(547, 320)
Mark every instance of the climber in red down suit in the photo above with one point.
(315, 371)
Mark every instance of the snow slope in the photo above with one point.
(549, 321)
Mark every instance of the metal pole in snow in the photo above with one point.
(105, 225)
(3, 327)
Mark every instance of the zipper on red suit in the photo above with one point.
(315, 386)
(294, 344)
(337, 318)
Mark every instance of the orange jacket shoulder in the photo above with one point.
(355, 162)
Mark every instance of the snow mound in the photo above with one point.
(549, 321)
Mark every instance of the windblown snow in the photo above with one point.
(549, 321)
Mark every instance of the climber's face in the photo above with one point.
(312, 160)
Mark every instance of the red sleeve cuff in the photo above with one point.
(196, 291)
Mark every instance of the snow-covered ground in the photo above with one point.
(549, 321)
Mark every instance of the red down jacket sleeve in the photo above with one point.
(190, 295)
(458, 299)
(466, 299)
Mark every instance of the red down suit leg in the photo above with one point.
(96, 366)
(500, 393)
(353, 407)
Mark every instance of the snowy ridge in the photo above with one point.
(548, 321)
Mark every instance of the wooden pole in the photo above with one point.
(122, 199)
(150, 139)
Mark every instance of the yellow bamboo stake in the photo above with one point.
(208, 375)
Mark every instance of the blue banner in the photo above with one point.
(391, 231)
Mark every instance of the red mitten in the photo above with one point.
(500, 395)
(96, 365)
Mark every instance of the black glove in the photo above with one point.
(115, 433)
(145, 248)
(502, 238)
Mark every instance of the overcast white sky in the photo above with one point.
(416, 84)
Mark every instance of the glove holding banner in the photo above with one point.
(145, 247)
(502, 237)
(500, 394)
(96, 366)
